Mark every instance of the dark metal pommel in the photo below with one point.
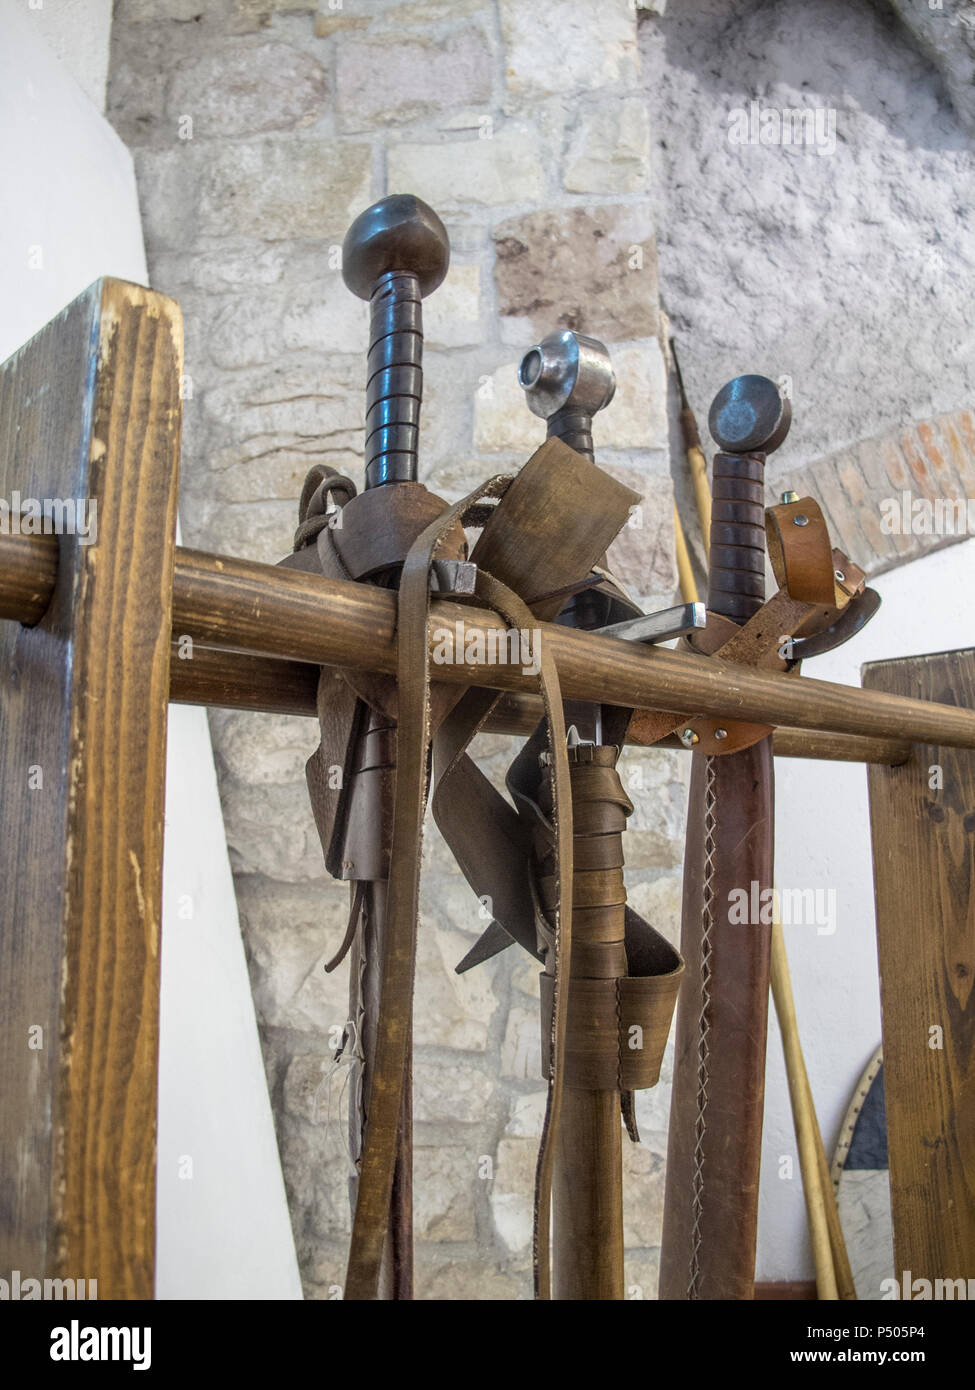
(397, 233)
(749, 416)
(748, 419)
(394, 253)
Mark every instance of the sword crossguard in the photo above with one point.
(394, 254)
(567, 378)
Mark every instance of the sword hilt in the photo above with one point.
(394, 254)
(567, 378)
(748, 419)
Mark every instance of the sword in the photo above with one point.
(567, 378)
(714, 1152)
(394, 254)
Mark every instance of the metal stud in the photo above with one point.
(800, 519)
(688, 738)
(721, 733)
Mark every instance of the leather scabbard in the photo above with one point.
(711, 1209)
(711, 1198)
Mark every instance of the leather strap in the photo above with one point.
(800, 551)
(384, 1100)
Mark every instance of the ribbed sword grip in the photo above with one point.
(736, 580)
(394, 388)
(574, 427)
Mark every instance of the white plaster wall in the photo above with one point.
(67, 187)
(77, 32)
(823, 840)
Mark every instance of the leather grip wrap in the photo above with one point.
(600, 807)
(617, 1022)
(736, 586)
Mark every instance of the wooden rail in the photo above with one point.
(241, 605)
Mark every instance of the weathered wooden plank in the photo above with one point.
(923, 824)
(89, 410)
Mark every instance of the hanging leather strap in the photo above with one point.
(384, 1100)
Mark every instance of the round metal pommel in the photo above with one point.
(749, 416)
(397, 233)
(567, 369)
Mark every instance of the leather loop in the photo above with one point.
(800, 550)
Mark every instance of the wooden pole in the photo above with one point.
(273, 611)
(270, 685)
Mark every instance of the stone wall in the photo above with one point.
(845, 262)
(260, 129)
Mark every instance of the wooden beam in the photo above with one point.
(89, 411)
(922, 819)
(241, 605)
(269, 685)
(280, 612)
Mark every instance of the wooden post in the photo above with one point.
(923, 825)
(89, 423)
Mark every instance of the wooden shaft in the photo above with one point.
(587, 1197)
(269, 685)
(29, 572)
(279, 612)
(247, 606)
(685, 574)
(702, 493)
(812, 1188)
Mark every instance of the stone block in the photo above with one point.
(642, 556)
(244, 88)
(470, 1280)
(521, 1051)
(593, 269)
(512, 1192)
(567, 46)
(270, 188)
(291, 930)
(450, 1094)
(609, 148)
(307, 394)
(379, 82)
(451, 1010)
(457, 174)
(444, 1191)
(452, 315)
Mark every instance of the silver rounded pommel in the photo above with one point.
(567, 369)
